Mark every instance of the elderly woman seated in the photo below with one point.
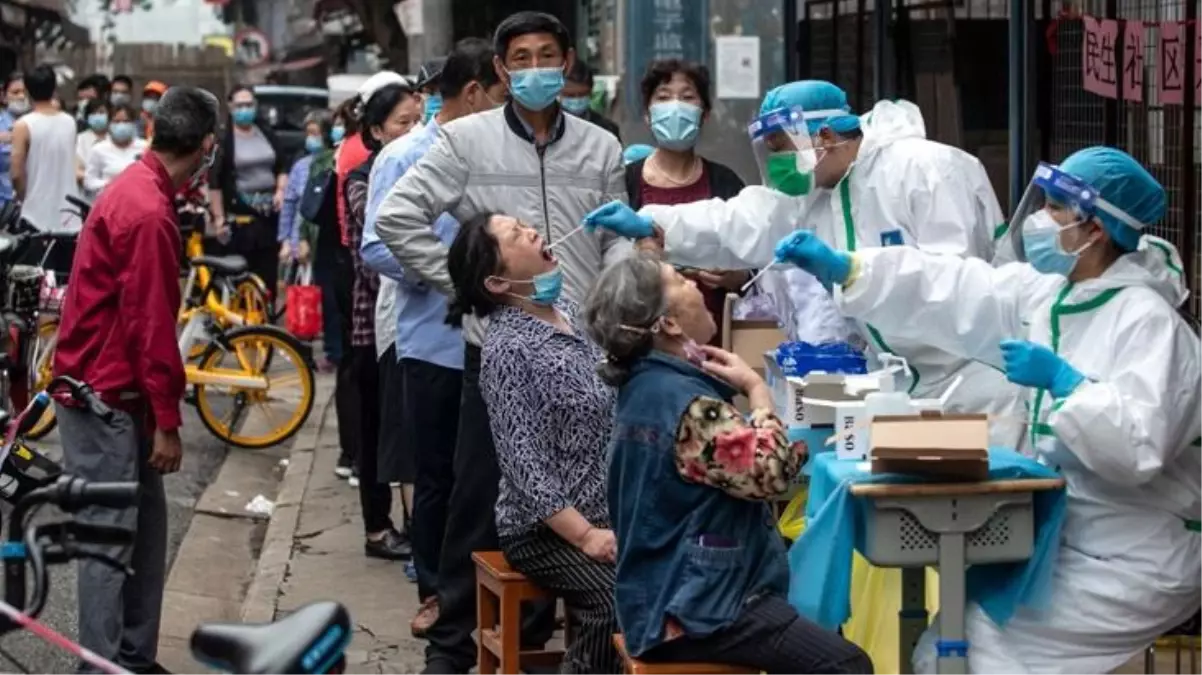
(701, 572)
(551, 418)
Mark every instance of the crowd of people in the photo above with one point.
(522, 318)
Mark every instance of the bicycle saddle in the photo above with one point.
(310, 640)
(227, 265)
(81, 204)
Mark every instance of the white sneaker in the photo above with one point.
(353, 481)
(343, 471)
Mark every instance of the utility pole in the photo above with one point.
(434, 38)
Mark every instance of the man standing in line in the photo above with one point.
(43, 169)
(430, 352)
(529, 160)
(118, 335)
(577, 98)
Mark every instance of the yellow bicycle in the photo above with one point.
(252, 384)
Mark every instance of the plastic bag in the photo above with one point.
(875, 602)
(302, 317)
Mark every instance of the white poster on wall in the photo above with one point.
(737, 58)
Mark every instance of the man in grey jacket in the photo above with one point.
(529, 160)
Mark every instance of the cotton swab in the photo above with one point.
(565, 238)
(757, 276)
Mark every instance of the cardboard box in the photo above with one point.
(932, 444)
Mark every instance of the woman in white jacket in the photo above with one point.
(1090, 326)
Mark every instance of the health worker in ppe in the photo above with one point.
(1089, 325)
(855, 182)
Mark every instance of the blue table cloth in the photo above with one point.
(820, 561)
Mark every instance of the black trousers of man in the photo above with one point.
(471, 526)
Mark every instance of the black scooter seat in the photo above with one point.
(310, 640)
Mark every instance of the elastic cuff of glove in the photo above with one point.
(649, 222)
(1065, 385)
(853, 269)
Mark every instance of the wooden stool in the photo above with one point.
(633, 666)
(500, 591)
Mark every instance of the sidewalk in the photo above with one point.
(313, 550)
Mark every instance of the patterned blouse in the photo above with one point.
(746, 459)
(366, 284)
(551, 418)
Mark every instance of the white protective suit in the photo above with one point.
(902, 189)
(1125, 440)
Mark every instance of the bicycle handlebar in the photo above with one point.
(24, 542)
(83, 393)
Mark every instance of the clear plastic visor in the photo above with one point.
(1066, 198)
(780, 140)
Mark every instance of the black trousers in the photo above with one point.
(338, 286)
(587, 589)
(431, 423)
(768, 636)
(471, 526)
(396, 456)
(375, 496)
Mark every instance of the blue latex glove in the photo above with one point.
(621, 220)
(807, 251)
(1033, 365)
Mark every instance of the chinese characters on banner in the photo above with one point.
(1170, 67)
(1133, 61)
(1098, 64)
(1114, 68)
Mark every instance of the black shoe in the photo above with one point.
(389, 547)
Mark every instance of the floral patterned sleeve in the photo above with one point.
(749, 459)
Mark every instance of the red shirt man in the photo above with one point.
(117, 330)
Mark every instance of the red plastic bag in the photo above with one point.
(302, 317)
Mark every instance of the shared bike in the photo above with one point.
(252, 383)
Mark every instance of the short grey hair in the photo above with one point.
(621, 311)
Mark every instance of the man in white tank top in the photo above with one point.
(43, 159)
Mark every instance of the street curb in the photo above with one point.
(262, 595)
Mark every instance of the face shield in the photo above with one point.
(1066, 199)
(783, 150)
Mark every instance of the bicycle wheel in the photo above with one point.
(41, 370)
(250, 301)
(250, 418)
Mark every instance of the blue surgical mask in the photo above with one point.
(337, 134)
(547, 287)
(122, 132)
(577, 105)
(675, 124)
(119, 98)
(98, 122)
(243, 117)
(1041, 244)
(313, 144)
(433, 105)
(149, 104)
(536, 88)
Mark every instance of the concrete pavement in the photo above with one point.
(314, 551)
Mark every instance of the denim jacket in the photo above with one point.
(663, 570)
